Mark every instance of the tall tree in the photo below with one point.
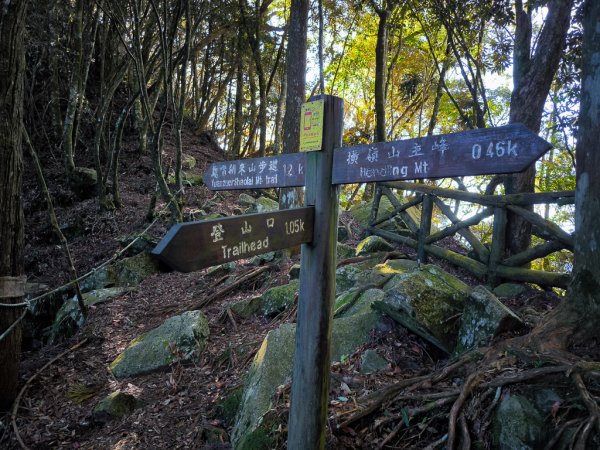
(295, 62)
(12, 68)
(532, 77)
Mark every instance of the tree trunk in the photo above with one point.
(586, 273)
(295, 64)
(532, 78)
(12, 69)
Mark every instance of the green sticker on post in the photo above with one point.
(311, 126)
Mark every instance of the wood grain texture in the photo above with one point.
(195, 245)
(310, 379)
(507, 149)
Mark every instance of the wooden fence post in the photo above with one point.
(312, 357)
(425, 228)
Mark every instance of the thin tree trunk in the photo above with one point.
(12, 72)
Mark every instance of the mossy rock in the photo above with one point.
(344, 251)
(354, 275)
(265, 204)
(83, 181)
(294, 272)
(188, 161)
(126, 272)
(179, 339)
(139, 243)
(356, 301)
(272, 367)
(228, 407)
(432, 297)
(518, 425)
(116, 405)
(509, 290)
(279, 298)
(69, 318)
(246, 200)
(484, 317)
(372, 244)
(371, 362)
(247, 308)
(396, 266)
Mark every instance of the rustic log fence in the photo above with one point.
(486, 263)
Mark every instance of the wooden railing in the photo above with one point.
(486, 263)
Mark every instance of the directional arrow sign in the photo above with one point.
(195, 245)
(285, 170)
(506, 149)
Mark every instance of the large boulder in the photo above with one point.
(179, 339)
(430, 296)
(83, 181)
(484, 317)
(272, 367)
(126, 272)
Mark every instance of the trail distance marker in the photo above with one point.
(311, 126)
(506, 149)
(257, 173)
(194, 245)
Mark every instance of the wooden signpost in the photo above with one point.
(257, 173)
(194, 245)
(507, 149)
(191, 246)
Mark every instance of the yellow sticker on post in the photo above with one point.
(311, 126)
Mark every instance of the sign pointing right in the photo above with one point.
(507, 149)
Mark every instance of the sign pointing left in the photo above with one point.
(285, 170)
(194, 245)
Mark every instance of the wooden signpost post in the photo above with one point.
(192, 246)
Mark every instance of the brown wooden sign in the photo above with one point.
(506, 149)
(285, 170)
(195, 245)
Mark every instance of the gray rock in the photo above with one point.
(139, 243)
(483, 317)
(246, 200)
(264, 204)
(69, 317)
(518, 425)
(432, 297)
(294, 272)
(359, 274)
(356, 301)
(261, 259)
(371, 362)
(126, 272)
(279, 298)
(342, 233)
(272, 367)
(84, 181)
(373, 244)
(179, 339)
(247, 308)
(344, 251)
(509, 290)
(115, 405)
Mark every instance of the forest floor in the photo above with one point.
(179, 404)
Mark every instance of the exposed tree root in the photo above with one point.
(486, 372)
